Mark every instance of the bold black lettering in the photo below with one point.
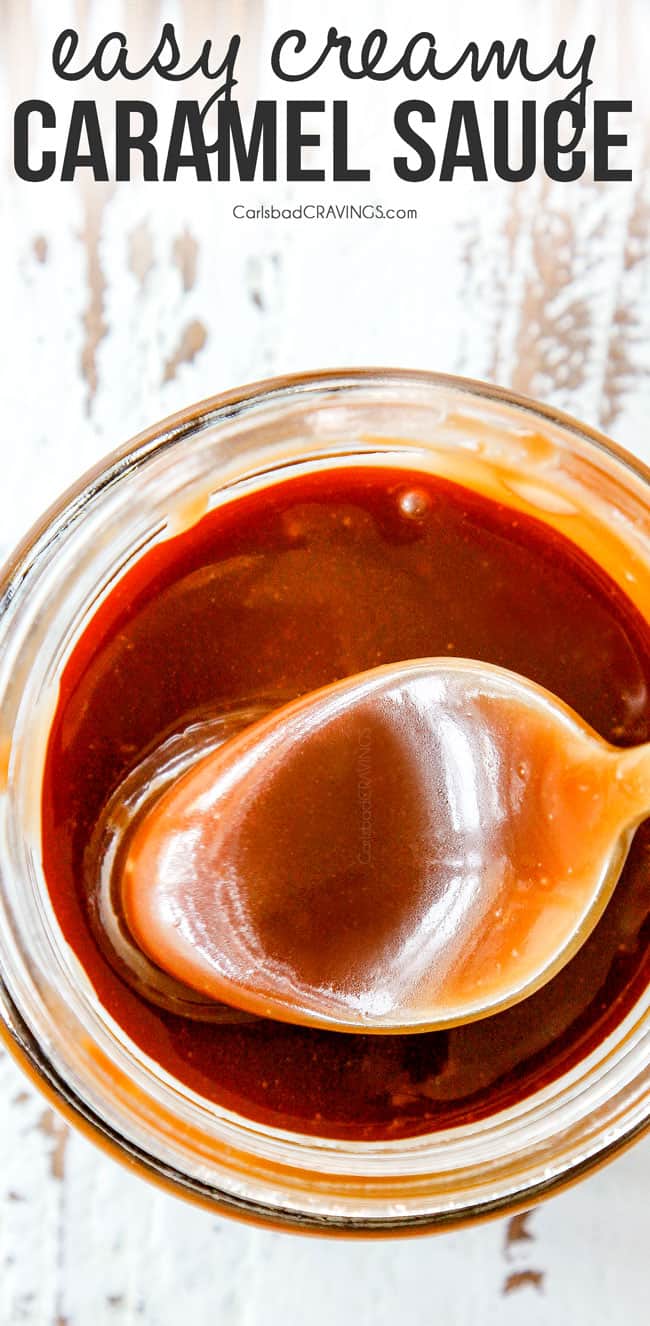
(502, 166)
(553, 150)
(187, 116)
(342, 170)
(263, 135)
(463, 116)
(426, 158)
(45, 171)
(603, 140)
(84, 118)
(128, 141)
(297, 140)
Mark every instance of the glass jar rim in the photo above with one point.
(228, 403)
(222, 411)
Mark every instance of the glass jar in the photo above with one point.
(525, 455)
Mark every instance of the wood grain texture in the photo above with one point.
(121, 304)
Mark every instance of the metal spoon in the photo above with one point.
(413, 847)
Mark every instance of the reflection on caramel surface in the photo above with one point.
(405, 849)
(291, 588)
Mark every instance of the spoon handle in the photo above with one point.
(633, 781)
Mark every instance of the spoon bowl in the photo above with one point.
(411, 848)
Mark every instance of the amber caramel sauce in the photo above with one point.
(407, 849)
(285, 590)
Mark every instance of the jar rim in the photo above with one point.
(228, 403)
(224, 408)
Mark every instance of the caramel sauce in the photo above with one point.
(408, 849)
(291, 588)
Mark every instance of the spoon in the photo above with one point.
(411, 848)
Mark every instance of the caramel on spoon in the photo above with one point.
(413, 847)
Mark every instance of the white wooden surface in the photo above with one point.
(120, 304)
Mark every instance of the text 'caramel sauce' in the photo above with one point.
(279, 593)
